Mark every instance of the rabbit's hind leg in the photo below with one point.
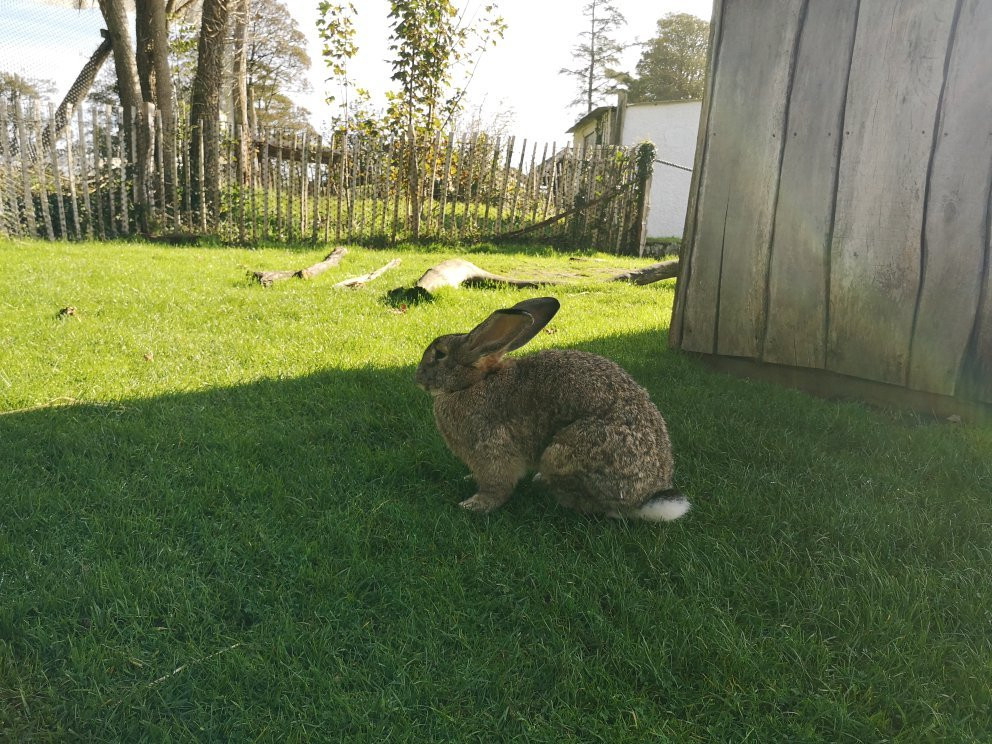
(584, 471)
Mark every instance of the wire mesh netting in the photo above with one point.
(44, 44)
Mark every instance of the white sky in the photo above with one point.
(520, 74)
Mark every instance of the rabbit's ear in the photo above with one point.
(506, 330)
(495, 334)
(542, 310)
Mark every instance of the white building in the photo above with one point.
(672, 127)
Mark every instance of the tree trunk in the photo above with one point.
(144, 49)
(239, 89)
(115, 16)
(155, 76)
(129, 90)
(205, 107)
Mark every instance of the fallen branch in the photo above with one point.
(358, 281)
(453, 273)
(266, 278)
(649, 274)
(456, 272)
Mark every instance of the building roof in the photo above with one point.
(664, 103)
(591, 116)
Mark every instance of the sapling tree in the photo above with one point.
(597, 54)
(430, 39)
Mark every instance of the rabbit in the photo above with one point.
(589, 430)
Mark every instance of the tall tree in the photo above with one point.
(205, 104)
(239, 88)
(154, 72)
(673, 64)
(276, 65)
(597, 53)
(125, 62)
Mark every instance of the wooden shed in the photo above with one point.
(838, 233)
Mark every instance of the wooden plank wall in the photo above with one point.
(839, 218)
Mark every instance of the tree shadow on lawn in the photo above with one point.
(314, 520)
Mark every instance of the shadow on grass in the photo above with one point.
(293, 546)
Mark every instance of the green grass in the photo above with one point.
(253, 534)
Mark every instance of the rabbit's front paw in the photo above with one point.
(484, 502)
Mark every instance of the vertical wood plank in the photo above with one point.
(22, 153)
(99, 213)
(538, 181)
(516, 186)
(329, 191)
(71, 168)
(134, 126)
(238, 148)
(173, 165)
(432, 183)
(386, 181)
(315, 228)
(184, 131)
(465, 164)
(122, 172)
(888, 136)
(374, 184)
(57, 173)
(362, 183)
(343, 165)
(39, 162)
(955, 231)
(975, 379)
(304, 182)
(746, 126)
(549, 178)
(266, 183)
(506, 180)
(796, 321)
(400, 160)
(9, 192)
(279, 204)
(159, 152)
(84, 180)
(200, 155)
(449, 154)
(356, 153)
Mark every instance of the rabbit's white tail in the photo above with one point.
(664, 508)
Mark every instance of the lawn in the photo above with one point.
(227, 516)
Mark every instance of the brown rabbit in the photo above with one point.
(591, 432)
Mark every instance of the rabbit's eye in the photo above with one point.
(439, 355)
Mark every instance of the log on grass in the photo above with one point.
(455, 272)
(649, 274)
(266, 278)
(358, 281)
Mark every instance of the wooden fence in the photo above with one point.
(299, 186)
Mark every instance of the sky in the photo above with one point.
(520, 75)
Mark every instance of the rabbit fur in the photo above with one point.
(589, 430)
